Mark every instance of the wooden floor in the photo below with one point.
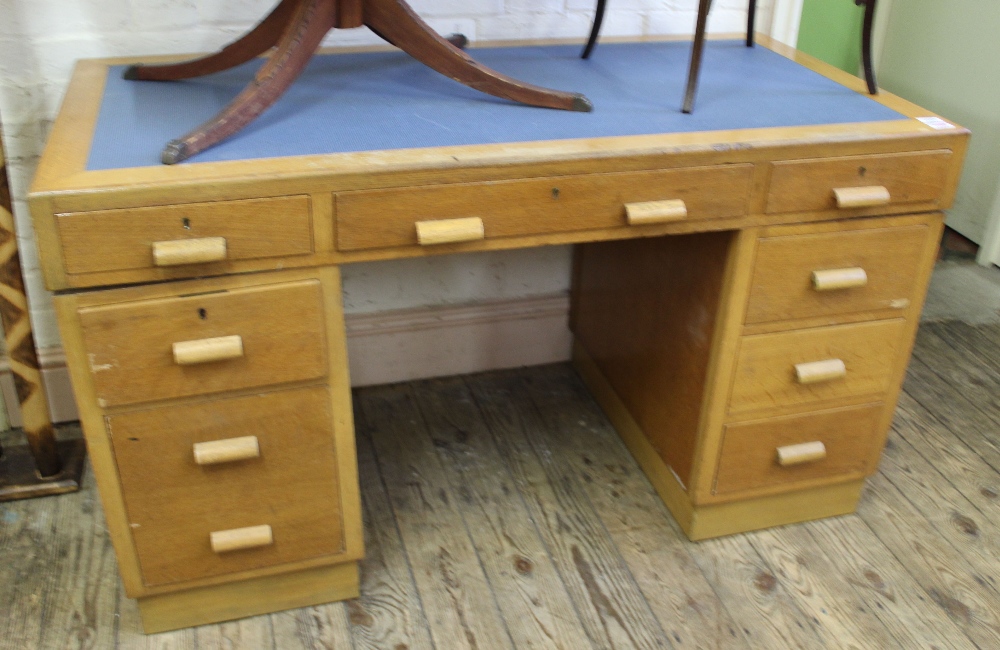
(503, 512)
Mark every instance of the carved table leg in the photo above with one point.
(458, 40)
(402, 27)
(259, 40)
(297, 27)
(312, 20)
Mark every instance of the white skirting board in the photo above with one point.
(390, 347)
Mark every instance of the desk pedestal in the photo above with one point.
(699, 349)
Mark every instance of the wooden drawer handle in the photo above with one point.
(819, 371)
(238, 539)
(806, 452)
(649, 212)
(229, 450)
(450, 231)
(831, 279)
(861, 197)
(189, 251)
(188, 353)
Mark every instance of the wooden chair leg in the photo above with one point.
(595, 30)
(254, 43)
(751, 19)
(696, 52)
(312, 20)
(397, 22)
(866, 45)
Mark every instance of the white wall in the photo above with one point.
(40, 39)
(944, 56)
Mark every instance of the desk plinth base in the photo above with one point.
(233, 600)
(716, 520)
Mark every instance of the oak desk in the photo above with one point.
(746, 288)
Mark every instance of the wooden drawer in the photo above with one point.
(808, 185)
(110, 240)
(749, 459)
(381, 218)
(133, 357)
(879, 267)
(174, 504)
(766, 375)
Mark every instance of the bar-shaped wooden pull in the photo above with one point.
(189, 251)
(805, 452)
(189, 353)
(832, 279)
(450, 231)
(649, 212)
(861, 197)
(238, 539)
(815, 372)
(229, 450)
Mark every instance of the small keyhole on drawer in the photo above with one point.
(134, 439)
(202, 314)
(186, 223)
(862, 171)
(555, 192)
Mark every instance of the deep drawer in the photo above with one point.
(831, 273)
(111, 240)
(384, 218)
(205, 343)
(175, 504)
(750, 457)
(800, 367)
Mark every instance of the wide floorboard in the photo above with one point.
(502, 511)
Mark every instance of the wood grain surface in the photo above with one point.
(130, 345)
(912, 569)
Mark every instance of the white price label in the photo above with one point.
(936, 123)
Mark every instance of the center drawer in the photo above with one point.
(174, 504)
(811, 366)
(205, 343)
(383, 218)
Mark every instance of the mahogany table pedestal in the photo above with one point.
(295, 29)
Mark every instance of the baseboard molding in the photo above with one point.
(396, 346)
(454, 340)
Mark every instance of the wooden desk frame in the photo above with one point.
(726, 244)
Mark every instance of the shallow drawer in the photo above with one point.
(807, 185)
(380, 218)
(800, 367)
(174, 504)
(802, 276)
(188, 345)
(789, 450)
(111, 240)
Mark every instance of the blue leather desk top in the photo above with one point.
(387, 100)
